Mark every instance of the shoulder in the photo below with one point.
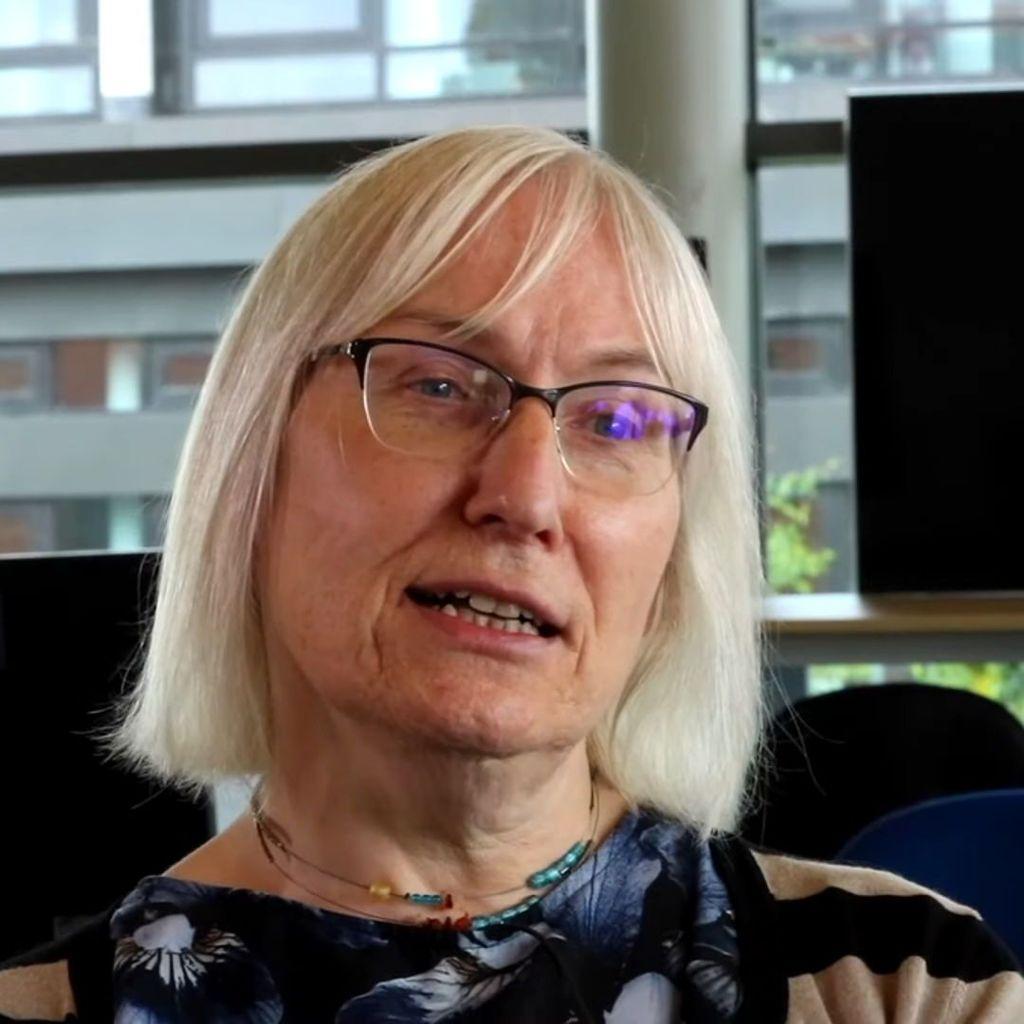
(868, 941)
(67, 979)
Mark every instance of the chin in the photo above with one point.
(497, 732)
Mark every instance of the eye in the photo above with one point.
(438, 387)
(614, 422)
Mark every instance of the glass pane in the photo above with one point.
(38, 22)
(435, 22)
(269, 81)
(272, 17)
(61, 524)
(807, 408)
(495, 70)
(80, 374)
(427, 22)
(35, 92)
(177, 372)
(810, 52)
(111, 299)
(1000, 681)
(27, 526)
(22, 378)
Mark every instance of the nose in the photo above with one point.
(519, 483)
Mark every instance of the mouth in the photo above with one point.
(485, 608)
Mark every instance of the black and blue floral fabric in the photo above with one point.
(643, 931)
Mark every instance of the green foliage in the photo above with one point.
(1001, 681)
(793, 563)
(826, 678)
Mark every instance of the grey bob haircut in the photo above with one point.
(687, 728)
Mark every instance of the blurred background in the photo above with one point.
(152, 151)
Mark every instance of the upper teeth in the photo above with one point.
(491, 606)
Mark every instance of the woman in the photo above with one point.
(462, 568)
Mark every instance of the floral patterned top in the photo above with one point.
(643, 931)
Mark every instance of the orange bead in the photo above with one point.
(381, 890)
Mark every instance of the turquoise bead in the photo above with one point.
(561, 867)
(428, 898)
(486, 920)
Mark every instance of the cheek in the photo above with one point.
(635, 547)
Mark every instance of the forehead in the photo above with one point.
(581, 306)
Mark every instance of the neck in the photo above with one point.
(380, 810)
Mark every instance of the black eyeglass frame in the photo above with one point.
(359, 351)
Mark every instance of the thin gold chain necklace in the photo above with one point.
(270, 836)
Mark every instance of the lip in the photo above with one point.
(524, 599)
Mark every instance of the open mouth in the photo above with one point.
(483, 610)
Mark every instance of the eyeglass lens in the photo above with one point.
(619, 439)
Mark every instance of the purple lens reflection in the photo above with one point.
(632, 421)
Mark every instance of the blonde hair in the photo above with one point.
(683, 735)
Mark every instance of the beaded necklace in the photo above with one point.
(270, 835)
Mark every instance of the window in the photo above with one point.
(809, 52)
(1002, 681)
(806, 379)
(23, 378)
(177, 371)
(48, 59)
(230, 54)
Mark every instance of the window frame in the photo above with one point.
(181, 40)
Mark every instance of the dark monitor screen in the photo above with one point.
(79, 829)
(937, 237)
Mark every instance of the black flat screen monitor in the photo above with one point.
(937, 236)
(79, 831)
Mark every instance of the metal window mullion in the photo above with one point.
(48, 56)
(373, 15)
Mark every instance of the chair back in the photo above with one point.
(968, 847)
(844, 759)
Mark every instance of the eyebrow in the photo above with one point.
(623, 357)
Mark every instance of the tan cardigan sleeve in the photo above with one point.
(848, 991)
(38, 992)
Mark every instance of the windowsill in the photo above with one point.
(869, 615)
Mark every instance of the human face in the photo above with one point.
(355, 525)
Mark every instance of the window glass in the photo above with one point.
(45, 91)
(437, 22)
(178, 368)
(807, 408)
(1000, 681)
(23, 380)
(272, 17)
(27, 526)
(54, 524)
(496, 70)
(272, 81)
(811, 52)
(80, 373)
(427, 22)
(112, 302)
(38, 22)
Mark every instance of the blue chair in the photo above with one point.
(968, 847)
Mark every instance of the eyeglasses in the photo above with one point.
(619, 438)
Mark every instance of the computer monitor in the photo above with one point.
(937, 229)
(78, 830)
